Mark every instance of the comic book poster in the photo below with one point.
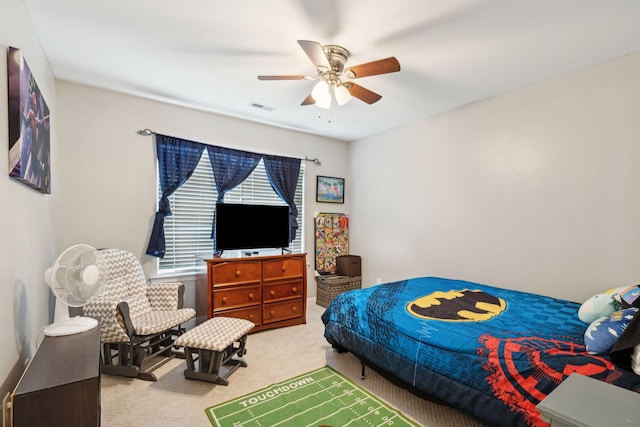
(29, 134)
(331, 240)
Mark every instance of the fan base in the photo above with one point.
(70, 326)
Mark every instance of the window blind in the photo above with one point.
(188, 230)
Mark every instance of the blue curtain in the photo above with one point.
(283, 176)
(230, 167)
(177, 159)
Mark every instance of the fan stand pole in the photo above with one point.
(60, 311)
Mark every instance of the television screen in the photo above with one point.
(240, 226)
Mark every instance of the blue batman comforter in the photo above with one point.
(492, 352)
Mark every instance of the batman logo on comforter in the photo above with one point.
(458, 306)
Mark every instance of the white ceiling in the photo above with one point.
(207, 54)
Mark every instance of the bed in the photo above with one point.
(493, 353)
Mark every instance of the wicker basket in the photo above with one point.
(330, 287)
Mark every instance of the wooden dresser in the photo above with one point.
(270, 291)
(61, 385)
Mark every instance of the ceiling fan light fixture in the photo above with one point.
(330, 63)
(324, 102)
(342, 94)
(321, 94)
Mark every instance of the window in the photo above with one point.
(188, 230)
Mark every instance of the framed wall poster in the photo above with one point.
(29, 135)
(329, 189)
(331, 240)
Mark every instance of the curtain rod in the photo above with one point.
(148, 132)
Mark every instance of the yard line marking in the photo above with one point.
(385, 421)
(288, 392)
(317, 406)
(344, 408)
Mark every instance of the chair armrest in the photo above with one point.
(106, 312)
(125, 317)
(165, 296)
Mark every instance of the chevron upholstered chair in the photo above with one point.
(139, 321)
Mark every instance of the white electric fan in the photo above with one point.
(74, 279)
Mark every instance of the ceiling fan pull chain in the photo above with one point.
(328, 114)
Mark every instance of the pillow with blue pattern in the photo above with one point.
(602, 333)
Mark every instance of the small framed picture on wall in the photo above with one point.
(329, 189)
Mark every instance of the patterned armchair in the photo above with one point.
(139, 322)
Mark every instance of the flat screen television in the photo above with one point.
(242, 226)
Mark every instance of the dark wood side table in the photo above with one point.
(61, 385)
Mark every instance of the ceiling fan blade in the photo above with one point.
(382, 66)
(361, 93)
(315, 53)
(308, 100)
(281, 77)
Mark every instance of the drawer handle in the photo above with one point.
(251, 317)
(238, 273)
(272, 313)
(294, 290)
(284, 269)
(250, 296)
(224, 300)
(273, 293)
(294, 309)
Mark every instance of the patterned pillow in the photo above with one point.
(603, 332)
(600, 305)
(631, 296)
(635, 359)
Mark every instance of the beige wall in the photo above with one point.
(106, 182)
(537, 190)
(26, 233)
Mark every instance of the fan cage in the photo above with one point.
(68, 284)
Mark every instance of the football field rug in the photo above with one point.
(320, 397)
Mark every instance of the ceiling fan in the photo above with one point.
(330, 61)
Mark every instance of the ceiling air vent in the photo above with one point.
(261, 107)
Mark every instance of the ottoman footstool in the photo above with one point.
(211, 346)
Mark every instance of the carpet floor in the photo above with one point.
(272, 356)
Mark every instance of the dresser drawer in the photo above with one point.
(237, 296)
(282, 311)
(253, 314)
(269, 290)
(228, 273)
(282, 268)
(281, 291)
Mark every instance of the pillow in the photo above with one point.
(600, 305)
(635, 359)
(603, 333)
(630, 297)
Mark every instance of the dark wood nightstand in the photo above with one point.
(61, 385)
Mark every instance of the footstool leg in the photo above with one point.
(189, 358)
(204, 371)
(214, 368)
(219, 344)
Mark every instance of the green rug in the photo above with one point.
(320, 397)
